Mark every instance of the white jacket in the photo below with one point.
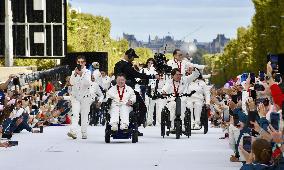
(81, 84)
(175, 64)
(202, 91)
(128, 95)
(98, 77)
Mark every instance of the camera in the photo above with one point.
(79, 67)
(161, 65)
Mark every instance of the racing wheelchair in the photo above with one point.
(130, 133)
(178, 122)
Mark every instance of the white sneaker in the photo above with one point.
(114, 127)
(197, 126)
(72, 135)
(84, 136)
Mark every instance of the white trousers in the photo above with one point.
(150, 104)
(78, 107)
(121, 111)
(172, 108)
(195, 107)
(160, 104)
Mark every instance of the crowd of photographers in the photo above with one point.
(249, 109)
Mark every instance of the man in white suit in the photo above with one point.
(123, 97)
(82, 98)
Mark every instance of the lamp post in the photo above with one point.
(8, 34)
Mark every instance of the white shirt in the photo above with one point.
(81, 84)
(177, 64)
(127, 95)
(202, 91)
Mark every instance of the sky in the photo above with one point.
(182, 19)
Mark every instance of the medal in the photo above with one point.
(178, 64)
(175, 89)
(120, 95)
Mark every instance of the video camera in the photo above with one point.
(161, 63)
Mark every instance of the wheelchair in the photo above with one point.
(130, 133)
(178, 122)
(203, 119)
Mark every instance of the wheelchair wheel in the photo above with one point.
(187, 123)
(163, 124)
(178, 129)
(205, 119)
(107, 136)
(135, 136)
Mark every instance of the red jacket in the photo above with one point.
(49, 88)
(277, 95)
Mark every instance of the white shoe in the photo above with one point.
(84, 136)
(114, 127)
(123, 126)
(72, 135)
(197, 126)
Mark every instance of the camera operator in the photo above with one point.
(81, 89)
(125, 66)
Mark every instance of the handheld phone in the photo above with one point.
(274, 60)
(235, 98)
(277, 77)
(261, 75)
(236, 120)
(253, 94)
(259, 87)
(252, 78)
(13, 143)
(251, 117)
(247, 143)
(78, 67)
(275, 120)
(244, 77)
(265, 101)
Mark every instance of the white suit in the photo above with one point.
(181, 88)
(106, 81)
(118, 108)
(196, 101)
(98, 76)
(182, 65)
(149, 102)
(160, 103)
(81, 100)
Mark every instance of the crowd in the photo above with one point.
(249, 109)
(30, 107)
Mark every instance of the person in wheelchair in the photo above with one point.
(196, 102)
(177, 86)
(123, 97)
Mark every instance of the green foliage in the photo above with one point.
(247, 53)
